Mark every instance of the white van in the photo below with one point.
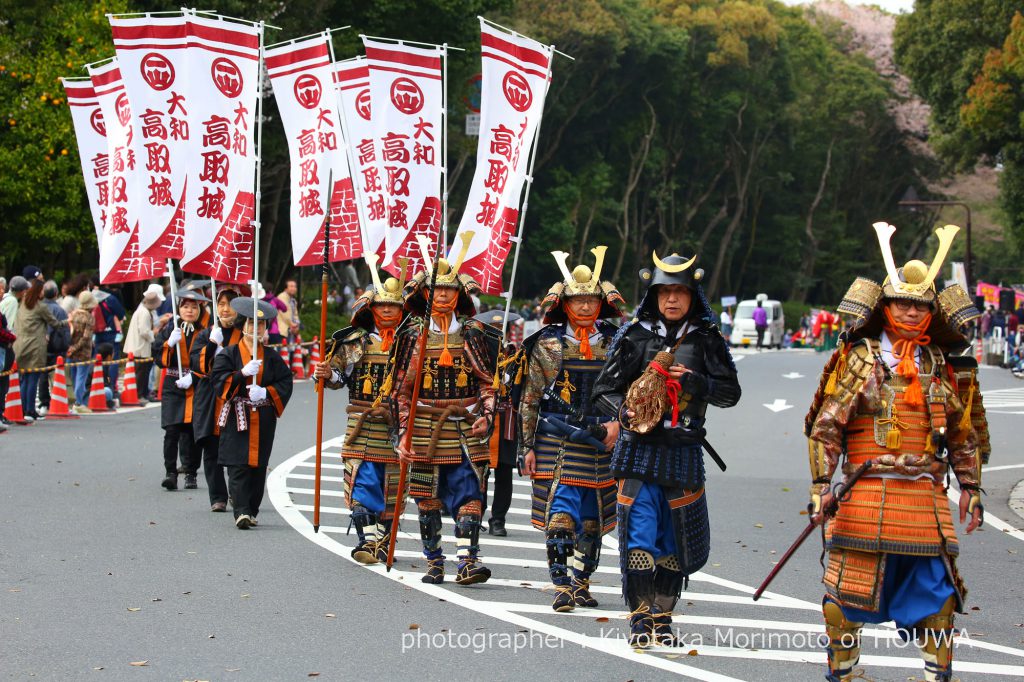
(743, 332)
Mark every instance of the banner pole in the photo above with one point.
(213, 303)
(256, 213)
(350, 153)
(526, 203)
(442, 235)
(174, 309)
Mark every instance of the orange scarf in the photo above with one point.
(905, 351)
(387, 334)
(584, 327)
(442, 316)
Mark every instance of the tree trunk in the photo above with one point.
(803, 280)
(636, 169)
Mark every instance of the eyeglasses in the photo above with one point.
(904, 306)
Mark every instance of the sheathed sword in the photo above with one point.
(827, 512)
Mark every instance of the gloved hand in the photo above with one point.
(174, 338)
(257, 393)
(184, 382)
(217, 335)
(251, 368)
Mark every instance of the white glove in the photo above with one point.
(217, 335)
(251, 368)
(257, 393)
(174, 338)
(184, 382)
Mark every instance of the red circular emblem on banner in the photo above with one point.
(226, 76)
(363, 104)
(157, 71)
(517, 91)
(406, 96)
(307, 90)
(124, 112)
(97, 123)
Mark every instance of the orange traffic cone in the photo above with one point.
(130, 394)
(97, 394)
(298, 370)
(59, 395)
(12, 408)
(160, 386)
(283, 351)
(314, 354)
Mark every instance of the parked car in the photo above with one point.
(743, 332)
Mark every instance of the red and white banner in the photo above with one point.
(220, 94)
(121, 258)
(301, 74)
(516, 72)
(91, 133)
(151, 54)
(352, 80)
(406, 98)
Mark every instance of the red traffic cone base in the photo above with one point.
(59, 395)
(12, 408)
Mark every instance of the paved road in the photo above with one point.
(100, 568)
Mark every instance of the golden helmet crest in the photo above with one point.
(447, 272)
(915, 280)
(582, 281)
(390, 290)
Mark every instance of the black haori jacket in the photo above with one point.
(176, 406)
(657, 456)
(206, 406)
(247, 435)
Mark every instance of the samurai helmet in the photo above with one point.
(674, 269)
(915, 281)
(447, 273)
(582, 281)
(390, 290)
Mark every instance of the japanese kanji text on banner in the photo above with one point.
(151, 52)
(516, 71)
(352, 79)
(222, 60)
(406, 95)
(121, 259)
(91, 133)
(301, 74)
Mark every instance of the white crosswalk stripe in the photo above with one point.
(520, 592)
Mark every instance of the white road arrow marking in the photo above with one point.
(793, 375)
(778, 406)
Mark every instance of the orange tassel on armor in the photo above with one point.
(442, 316)
(906, 351)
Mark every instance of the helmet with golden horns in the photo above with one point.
(582, 281)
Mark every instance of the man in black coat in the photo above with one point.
(254, 385)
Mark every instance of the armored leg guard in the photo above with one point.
(430, 533)
(560, 548)
(584, 563)
(363, 519)
(668, 583)
(934, 636)
(843, 642)
(638, 584)
(467, 534)
(382, 540)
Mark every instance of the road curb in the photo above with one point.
(1017, 499)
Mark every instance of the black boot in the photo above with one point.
(467, 533)
(170, 480)
(559, 543)
(191, 482)
(638, 584)
(668, 584)
(496, 527)
(430, 533)
(363, 519)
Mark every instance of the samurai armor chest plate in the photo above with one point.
(369, 373)
(572, 391)
(456, 382)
